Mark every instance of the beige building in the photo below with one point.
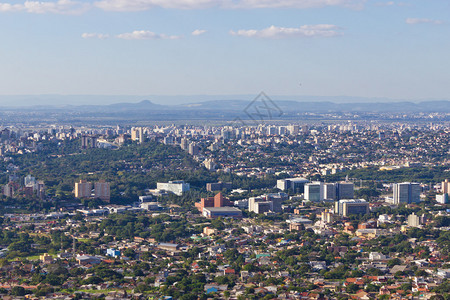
(446, 187)
(83, 189)
(413, 220)
(46, 258)
(102, 191)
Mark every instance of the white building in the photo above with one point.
(348, 207)
(443, 199)
(177, 187)
(314, 191)
(297, 185)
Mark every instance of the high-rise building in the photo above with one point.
(8, 190)
(442, 198)
(297, 185)
(141, 135)
(193, 149)
(406, 192)
(327, 217)
(134, 134)
(83, 189)
(272, 130)
(259, 205)
(29, 181)
(445, 187)
(413, 220)
(351, 207)
(329, 191)
(293, 129)
(102, 191)
(137, 134)
(345, 190)
(305, 129)
(209, 164)
(184, 144)
(314, 191)
(217, 201)
(88, 142)
(266, 203)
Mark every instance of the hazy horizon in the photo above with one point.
(76, 100)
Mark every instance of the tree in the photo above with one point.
(18, 291)
(352, 288)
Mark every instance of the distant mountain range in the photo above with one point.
(220, 110)
(239, 105)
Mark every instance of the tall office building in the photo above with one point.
(297, 185)
(83, 189)
(345, 190)
(406, 192)
(266, 203)
(259, 205)
(329, 191)
(314, 191)
(351, 207)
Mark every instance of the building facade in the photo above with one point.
(406, 192)
(348, 207)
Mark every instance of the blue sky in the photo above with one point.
(393, 49)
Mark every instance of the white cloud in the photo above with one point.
(293, 3)
(7, 7)
(320, 30)
(99, 36)
(145, 35)
(139, 5)
(389, 3)
(42, 7)
(76, 7)
(198, 32)
(413, 21)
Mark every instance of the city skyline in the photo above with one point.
(364, 49)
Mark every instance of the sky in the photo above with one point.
(387, 49)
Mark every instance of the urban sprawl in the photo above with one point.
(338, 210)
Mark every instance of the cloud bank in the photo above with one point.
(40, 7)
(146, 35)
(73, 7)
(413, 21)
(319, 30)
